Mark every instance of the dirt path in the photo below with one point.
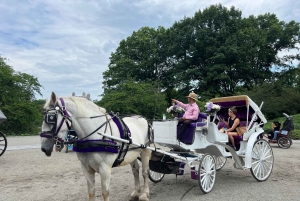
(29, 175)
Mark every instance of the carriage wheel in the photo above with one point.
(220, 162)
(3, 143)
(262, 160)
(207, 173)
(155, 176)
(284, 142)
(67, 147)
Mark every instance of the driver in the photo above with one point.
(191, 113)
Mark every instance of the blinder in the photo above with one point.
(50, 118)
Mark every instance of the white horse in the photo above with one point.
(76, 112)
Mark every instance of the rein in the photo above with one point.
(50, 118)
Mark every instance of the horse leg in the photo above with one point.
(90, 179)
(105, 174)
(145, 156)
(135, 170)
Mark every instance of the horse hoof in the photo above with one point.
(143, 198)
(134, 195)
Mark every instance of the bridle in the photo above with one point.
(50, 118)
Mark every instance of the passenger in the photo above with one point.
(191, 113)
(275, 127)
(232, 124)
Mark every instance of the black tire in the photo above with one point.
(3, 143)
(284, 142)
(155, 176)
(67, 147)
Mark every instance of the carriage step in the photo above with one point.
(180, 150)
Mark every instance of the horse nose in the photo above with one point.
(48, 153)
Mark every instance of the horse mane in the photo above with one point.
(82, 105)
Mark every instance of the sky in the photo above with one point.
(66, 44)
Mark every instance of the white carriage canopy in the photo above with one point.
(245, 107)
(2, 117)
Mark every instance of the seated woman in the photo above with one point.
(232, 123)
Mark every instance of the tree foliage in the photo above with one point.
(213, 53)
(218, 51)
(131, 97)
(141, 57)
(278, 97)
(17, 93)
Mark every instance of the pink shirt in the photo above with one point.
(191, 110)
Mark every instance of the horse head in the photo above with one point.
(56, 123)
(62, 114)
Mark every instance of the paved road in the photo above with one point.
(27, 174)
(23, 142)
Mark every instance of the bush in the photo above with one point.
(295, 135)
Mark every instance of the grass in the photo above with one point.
(295, 134)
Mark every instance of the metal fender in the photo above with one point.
(251, 141)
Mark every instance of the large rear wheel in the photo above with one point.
(3, 143)
(284, 142)
(262, 160)
(155, 176)
(207, 173)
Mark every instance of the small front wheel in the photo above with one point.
(262, 160)
(284, 142)
(207, 173)
(155, 176)
(220, 162)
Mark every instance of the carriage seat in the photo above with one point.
(189, 135)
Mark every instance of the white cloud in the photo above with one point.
(67, 44)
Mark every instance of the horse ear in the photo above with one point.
(53, 98)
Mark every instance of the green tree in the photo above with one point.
(217, 50)
(277, 100)
(141, 57)
(135, 98)
(17, 93)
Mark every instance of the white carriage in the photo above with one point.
(208, 151)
